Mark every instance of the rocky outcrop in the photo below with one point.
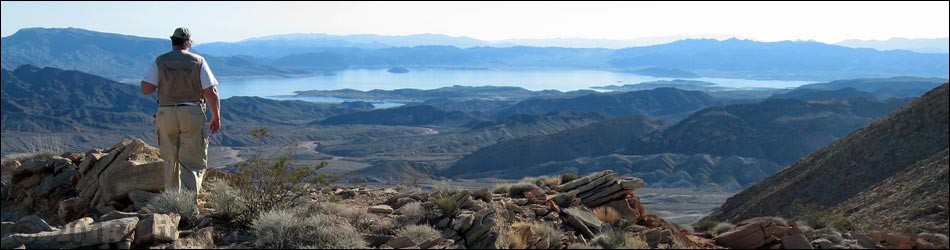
(39, 185)
(756, 233)
(106, 178)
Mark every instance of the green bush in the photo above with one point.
(413, 211)
(448, 207)
(568, 177)
(705, 225)
(272, 183)
(227, 202)
(284, 228)
(501, 189)
(419, 233)
(723, 227)
(183, 203)
(819, 218)
(482, 194)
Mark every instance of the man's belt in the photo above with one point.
(178, 105)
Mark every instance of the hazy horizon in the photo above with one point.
(498, 22)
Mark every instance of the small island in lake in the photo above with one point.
(397, 70)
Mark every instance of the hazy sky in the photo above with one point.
(828, 22)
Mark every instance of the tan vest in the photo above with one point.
(179, 77)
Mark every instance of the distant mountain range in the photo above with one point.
(126, 58)
(891, 174)
(771, 133)
(115, 56)
(921, 45)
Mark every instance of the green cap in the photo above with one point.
(182, 33)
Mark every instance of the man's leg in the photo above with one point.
(193, 151)
(166, 123)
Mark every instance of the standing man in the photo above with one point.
(185, 84)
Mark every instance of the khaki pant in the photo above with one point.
(183, 143)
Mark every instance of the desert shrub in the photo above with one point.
(284, 228)
(705, 225)
(723, 227)
(183, 203)
(482, 194)
(517, 190)
(564, 199)
(227, 202)
(448, 207)
(689, 228)
(501, 189)
(579, 246)
(419, 233)
(635, 242)
(444, 189)
(606, 214)
(608, 240)
(359, 218)
(518, 238)
(269, 183)
(819, 218)
(24, 157)
(568, 177)
(780, 221)
(413, 211)
(546, 181)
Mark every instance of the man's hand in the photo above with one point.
(214, 101)
(215, 125)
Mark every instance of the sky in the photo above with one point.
(828, 22)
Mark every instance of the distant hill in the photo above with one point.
(115, 56)
(921, 45)
(772, 133)
(736, 58)
(898, 155)
(660, 103)
(404, 116)
(780, 130)
(883, 88)
(704, 171)
(593, 140)
(818, 94)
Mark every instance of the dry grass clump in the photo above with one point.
(608, 215)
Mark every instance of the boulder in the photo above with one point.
(381, 209)
(31, 224)
(140, 198)
(400, 243)
(755, 233)
(73, 208)
(463, 221)
(582, 219)
(157, 228)
(864, 241)
(823, 244)
(376, 240)
(623, 208)
(202, 239)
(795, 241)
(96, 234)
(485, 229)
(73, 157)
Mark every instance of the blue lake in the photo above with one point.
(369, 79)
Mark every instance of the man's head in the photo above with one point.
(181, 38)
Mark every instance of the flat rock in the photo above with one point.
(381, 209)
(400, 243)
(96, 234)
(584, 220)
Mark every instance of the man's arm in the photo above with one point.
(214, 101)
(148, 88)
